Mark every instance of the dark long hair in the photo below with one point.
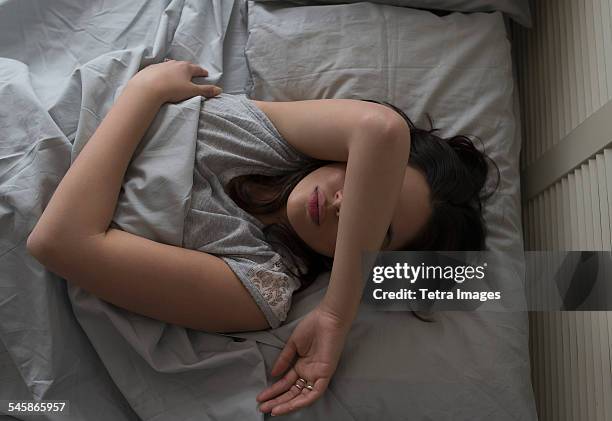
(455, 171)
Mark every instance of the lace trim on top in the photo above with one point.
(274, 285)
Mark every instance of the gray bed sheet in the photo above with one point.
(234, 79)
(61, 66)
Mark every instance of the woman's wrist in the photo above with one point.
(146, 92)
(343, 317)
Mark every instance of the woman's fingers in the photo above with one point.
(285, 358)
(301, 400)
(207, 90)
(204, 90)
(198, 71)
(279, 386)
(287, 385)
(282, 399)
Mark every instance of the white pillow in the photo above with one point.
(457, 68)
(518, 10)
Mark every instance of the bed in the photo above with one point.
(57, 342)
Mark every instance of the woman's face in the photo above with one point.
(410, 215)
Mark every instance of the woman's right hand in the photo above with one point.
(318, 341)
(170, 81)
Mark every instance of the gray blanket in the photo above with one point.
(61, 67)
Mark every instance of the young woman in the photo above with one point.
(366, 179)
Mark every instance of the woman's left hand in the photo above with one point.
(318, 341)
(170, 81)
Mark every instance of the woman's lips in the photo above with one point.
(313, 206)
(321, 205)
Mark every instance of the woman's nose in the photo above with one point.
(338, 201)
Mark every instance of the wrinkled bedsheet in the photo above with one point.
(62, 67)
(62, 64)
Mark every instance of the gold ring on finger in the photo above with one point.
(309, 387)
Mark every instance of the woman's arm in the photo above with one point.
(325, 128)
(72, 239)
(377, 159)
(374, 176)
(83, 204)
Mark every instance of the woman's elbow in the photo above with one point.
(42, 247)
(35, 246)
(387, 127)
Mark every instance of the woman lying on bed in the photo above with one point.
(373, 182)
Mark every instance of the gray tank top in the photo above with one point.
(235, 138)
